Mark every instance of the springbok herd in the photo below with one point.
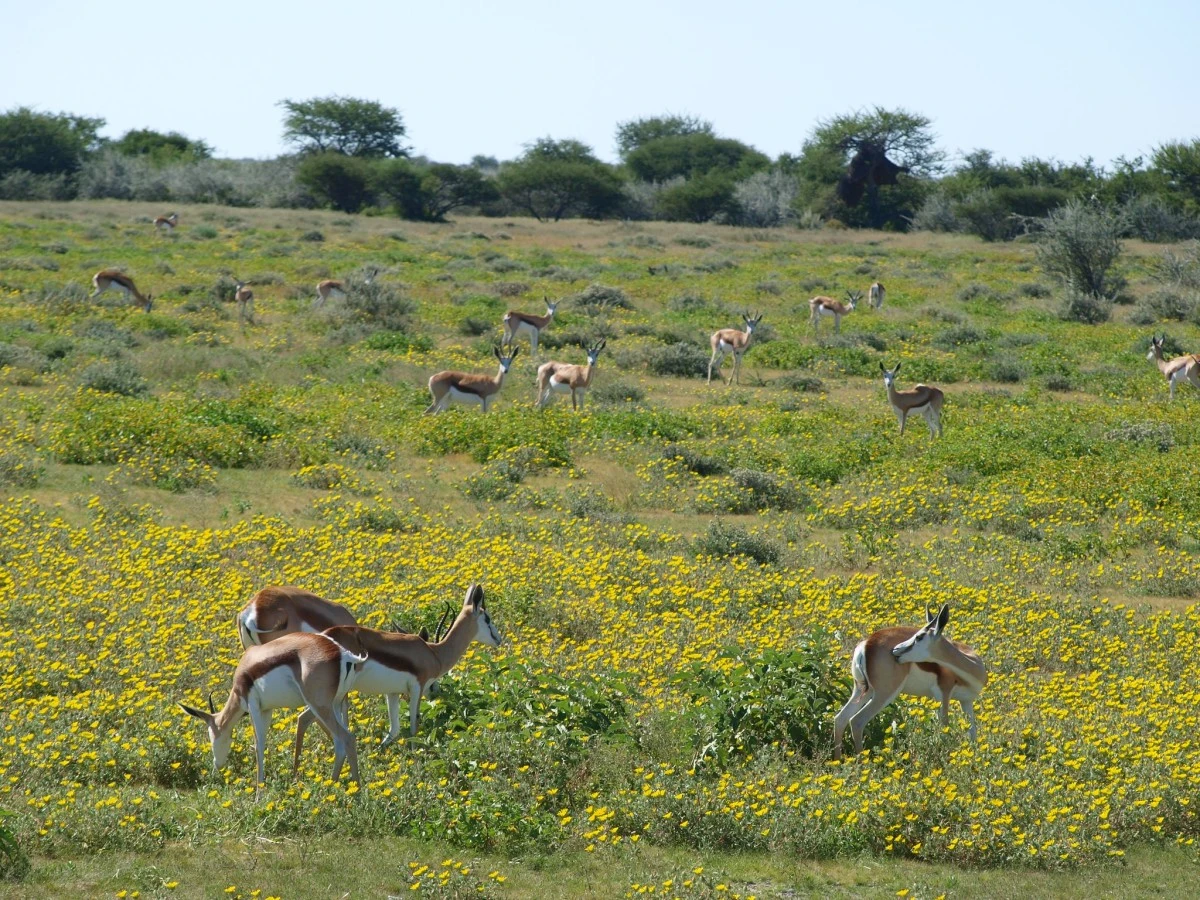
(301, 651)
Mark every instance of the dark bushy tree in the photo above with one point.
(699, 199)
(342, 182)
(554, 179)
(1178, 166)
(638, 132)
(46, 143)
(159, 147)
(345, 125)
(428, 192)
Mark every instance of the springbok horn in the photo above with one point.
(442, 622)
(928, 614)
(211, 708)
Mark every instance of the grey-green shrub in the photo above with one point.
(1080, 244)
(114, 377)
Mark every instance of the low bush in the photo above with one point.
(1080, 306)
(116, 377)
(699, 463)
(597, 298)
(613, 391)
(804, 384)
(683, 360)
(725, 540)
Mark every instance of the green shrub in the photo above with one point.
(804, 384)
(597, 298)
(20, 469)
(13, 861)
(613, 391)
(116, 377)
(1080, 306)
(1079, 244)
(695, 462)
(1159, 435)
(958, 336)
(683, 360)
(725, 540)
(380, 305)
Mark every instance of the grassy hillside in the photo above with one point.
(680, 571)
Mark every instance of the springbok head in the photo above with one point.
(889, 377)
(751, 322)
(853, 297)
(594, 352)
(507, 361)
(220, 741)
(920, 647)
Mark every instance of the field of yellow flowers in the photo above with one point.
(680, 572)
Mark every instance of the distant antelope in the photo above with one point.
(167, 223)
(405, 664)
(337, 289)
(919, 662)
(463, 387)
(730, 340)
(877, 295)
(113, 280)
(516, 323)
(296, 670)
(1179, 369)
(562, 377)
(827, 306)
(923, 400)
(245, 301)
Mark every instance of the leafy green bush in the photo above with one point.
(13, 861)
(1079, 244)
(1080, 306)
(958, 336)
(726, 540)
(613, 391)
(746, 701)
(116, 377)
(379, 304)
(683, 360)
(804, 384)
(596, 298)
(20, 469)
(694, 461)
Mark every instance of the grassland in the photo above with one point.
(681, 570)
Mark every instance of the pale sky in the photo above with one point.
(1050, 79)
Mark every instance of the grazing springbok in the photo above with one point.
(730, 340)
(923, 400)
(463, 387)
(562, 377)
(113, 280)
(516, 323)
(167, 223)
(295, 670)
(827, 306)
(1179, 369)
(337, 289)
(405, 664)
(877, 295)
(245, 301)
(920, 662)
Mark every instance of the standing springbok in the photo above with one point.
(920, 662)
(923, 400)
(245, 301)
(516, 323)
(827, 306)
(563, 377)
(463, 387)
(278, 610)
(114, 280)
(405, 664)
(167, 223)
(877, 294)
(295, 670)
(730, 340)
(1179, 369)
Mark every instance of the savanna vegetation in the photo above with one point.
(680, 571)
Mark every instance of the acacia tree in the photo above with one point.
(345, 125)
(903, 137)
(638, 132)
(554, 179)
(161, 147)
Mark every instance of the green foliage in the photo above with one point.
(700, 198)
(427, 193)
(692, 155)
(638, 132)
(341, 182)
(13, 861)
(19, 469)
(116, 377)
(723, 540)
(161, 148)
(555, 179)
(344, 125)
(683, 360)
(1080, 244)
(45, 143)
(744, 702)
(1178, 164)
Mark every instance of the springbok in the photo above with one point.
(919, 662)
(337, 289)
(245, 301)
(167, 223)
(827, 306)
(463, 387)
(1181, 368)
(516, 323)
(923, 400)
(405, 664)
(114, 280)
(309, 670)
(278, 610)
(563, 377)
(730, 340)
(877, 294)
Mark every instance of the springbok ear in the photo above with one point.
(897, 369)
(882, 369)
(515, 350)
(496, 350)
(474, 598)
(943, 617)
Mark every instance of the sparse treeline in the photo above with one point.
(349, 154)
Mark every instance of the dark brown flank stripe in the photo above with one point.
(386, 651)
(244, 680)
(536, 321)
